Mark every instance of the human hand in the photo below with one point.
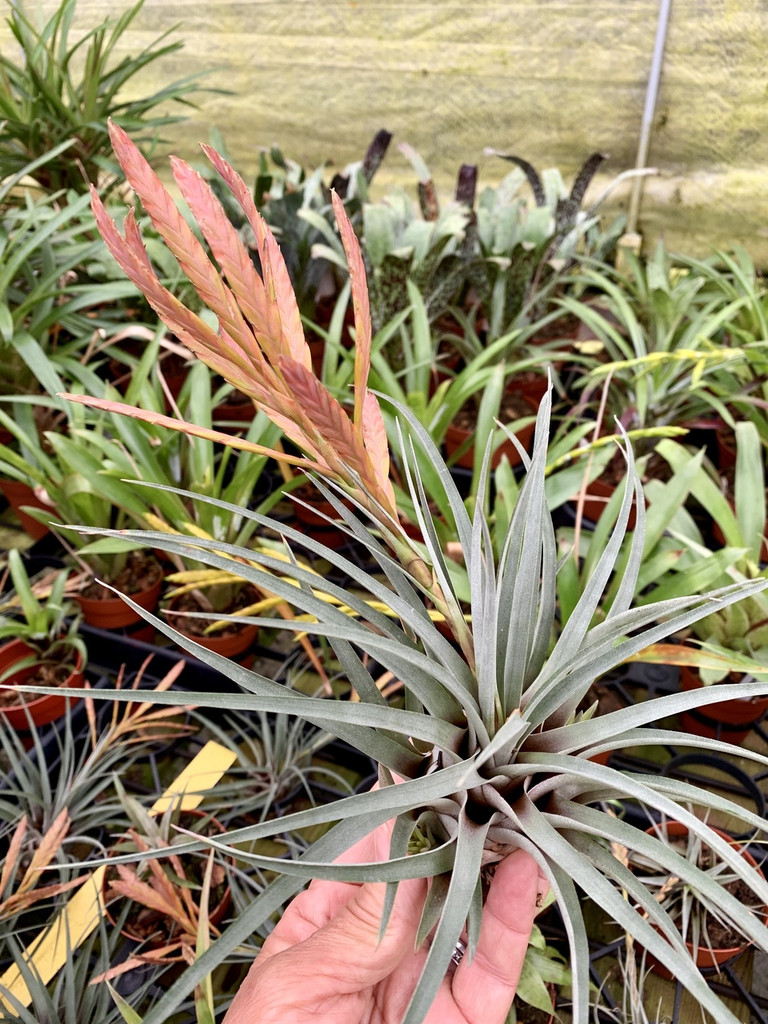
(324, 960)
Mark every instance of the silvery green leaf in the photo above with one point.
(461, 891)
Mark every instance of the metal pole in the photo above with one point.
(648, 113)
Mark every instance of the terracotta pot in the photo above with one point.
(729, 719)
(311, 518)
(456, 437)
(411, 529)
(315, 516)
(17, 494)
(602, 758)
(215, 913)
(317, 353)
(448, 359)
(41, 710)
(530, 386)
(597, 496)
(228, 645)
(726, 447)
(114, 613)
(719, 536)
(238, 408)
(704, 957)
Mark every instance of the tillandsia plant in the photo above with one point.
(59, 799)
(491, 747)
(170, 897)
(74, 997)
(702, 923)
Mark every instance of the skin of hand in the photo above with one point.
(324, 962)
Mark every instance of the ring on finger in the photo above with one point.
(457, 955)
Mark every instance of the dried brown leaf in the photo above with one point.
(50, 844)
(152, 956)
(19, 902)
(163, 899)
(12, 854)
(184, 893)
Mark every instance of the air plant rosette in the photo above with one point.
(165, 897)
(490, 747)
(710, 937)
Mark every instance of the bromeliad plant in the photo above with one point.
(663, 333)
(46, 99)
(489, 746)
(524, 253)
(727, 635)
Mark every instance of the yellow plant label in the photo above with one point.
(47, 953)
(201, 774)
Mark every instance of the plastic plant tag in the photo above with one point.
(47, 953)
(201, 774)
